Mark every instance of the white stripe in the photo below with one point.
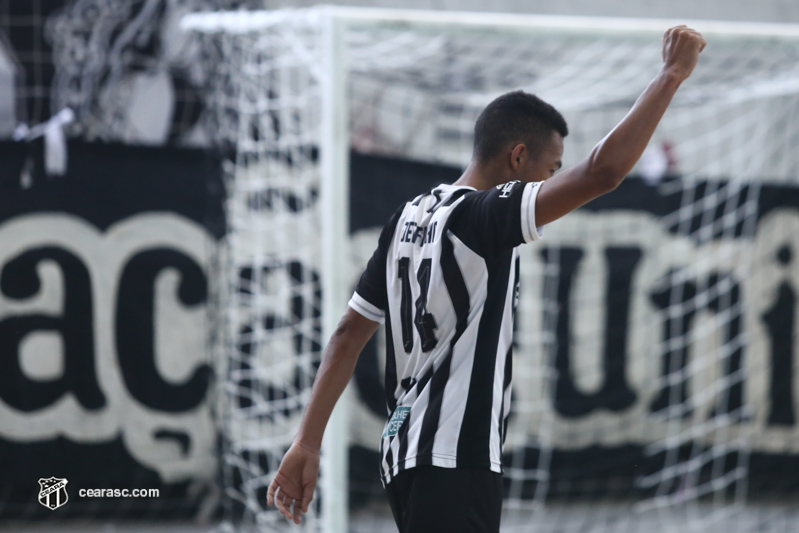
(508, 394)
(365, 309)
(453, 405)
(416, 418)
(384, 466)
(395, 454)
(529, 230)
(503, 345)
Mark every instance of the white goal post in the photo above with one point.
(296, 90)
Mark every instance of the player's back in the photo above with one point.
(444, 278)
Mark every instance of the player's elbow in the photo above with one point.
(353, 329)
(605, 173)
(345, 329)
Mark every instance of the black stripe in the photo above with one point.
(391, 386)
(459, 294)
(474, 440)
(380, 465)
(503, 422)
(391, 366)
(516, 266)
(455, 196)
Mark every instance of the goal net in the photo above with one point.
(653, 369)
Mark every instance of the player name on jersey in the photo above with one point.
(423, 234)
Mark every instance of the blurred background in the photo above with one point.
(116, 212)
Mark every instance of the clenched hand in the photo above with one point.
(681, 48)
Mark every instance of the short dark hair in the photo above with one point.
(516, 117)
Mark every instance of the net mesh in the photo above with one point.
(265, 113)
(641, 371)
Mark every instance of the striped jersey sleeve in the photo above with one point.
(499, 218)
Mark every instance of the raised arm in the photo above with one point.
(615, 155)
(296, 478)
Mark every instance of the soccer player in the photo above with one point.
(444, 279)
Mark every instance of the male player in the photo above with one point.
(444, 279)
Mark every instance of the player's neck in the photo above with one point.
(481, 177)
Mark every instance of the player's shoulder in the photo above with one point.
(496, 197)
(439, 196)
(504, 190)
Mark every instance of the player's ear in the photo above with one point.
(517, 156)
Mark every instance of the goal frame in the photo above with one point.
(335, 137)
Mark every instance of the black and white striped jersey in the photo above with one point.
(444, 278)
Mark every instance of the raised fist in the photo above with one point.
(681, 48)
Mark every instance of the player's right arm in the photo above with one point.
(296, 477)
(293, 486)
(615, 155)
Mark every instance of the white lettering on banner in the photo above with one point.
(662, 252)
(179, 334)
(179, 338)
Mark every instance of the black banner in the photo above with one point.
(104, 333)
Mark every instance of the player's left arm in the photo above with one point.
(615, 155)
(296, 478)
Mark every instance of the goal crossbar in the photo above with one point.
(247, 21)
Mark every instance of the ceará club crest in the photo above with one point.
(53, 492)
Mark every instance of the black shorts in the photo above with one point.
(446, 500)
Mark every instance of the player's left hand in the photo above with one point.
(292, 488)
